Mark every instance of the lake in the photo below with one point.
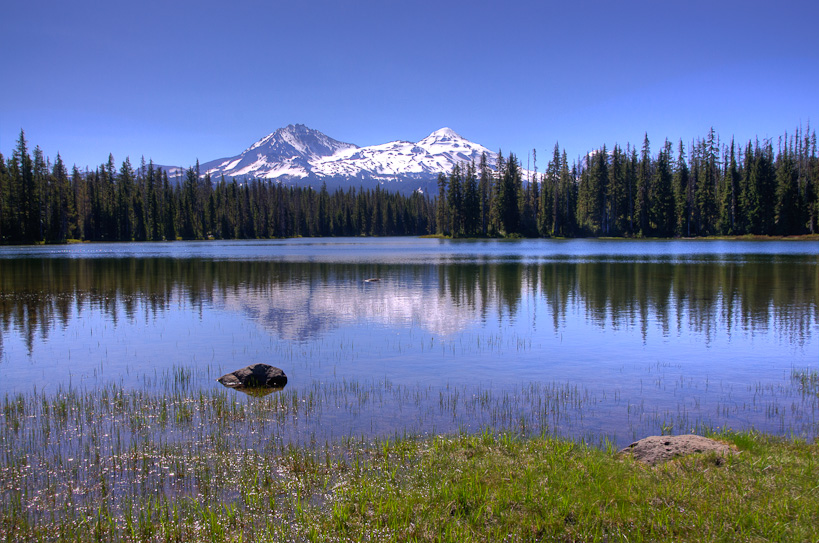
(590, 339)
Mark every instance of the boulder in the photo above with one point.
(255, 379)
(658, 449)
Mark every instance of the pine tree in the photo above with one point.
(124, 208)
(642, 202)
(728, 191)
(706, 189)
(811, 191)
(616, 203)
(187, 213)
(13, 210)
(557, 215)
(681, 180)
(108, 216)
(169, 208)
(153, 202)
(455, 201)
(632, 169)
(472, 203)
(484, 193)
(62, 204)
(763, 177)
(442, 207)
(591, 195)
(27, 193)
(79, 186)
(661, 208)
(509, 186)
(534, 197)
(5, 183)
(568, 197)
(787, 193)
(138, 199)
(41, 175)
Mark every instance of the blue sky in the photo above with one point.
(187, 80)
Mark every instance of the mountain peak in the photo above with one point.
(442, 135)
(298, 139)
(288, 151)
(294, 129)
(445, 132)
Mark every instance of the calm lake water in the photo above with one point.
(585, 338)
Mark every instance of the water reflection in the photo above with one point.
(303, 301)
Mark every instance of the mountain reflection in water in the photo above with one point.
(302, 301)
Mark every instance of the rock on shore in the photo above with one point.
(658, 449)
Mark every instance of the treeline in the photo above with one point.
(42, 202)
(708, 189)
(716, 189)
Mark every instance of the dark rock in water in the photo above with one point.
(256, 379)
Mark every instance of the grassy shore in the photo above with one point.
(186, 465)
(497, 488)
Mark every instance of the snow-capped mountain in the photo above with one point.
(437, 153)
(297, 152)
(288, 151)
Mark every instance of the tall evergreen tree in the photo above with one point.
(153, 219)
(169, 210)
(27, 193)
(568, 198)
(62, 202)
(484, 193)
(762, 180)
(787, 193)
(125, 188)
(642, 202)
(681, 179)
(4, 203)
(82, 204)
(617, 203)
(661, 205)
(472, 203)
(706, 185)
(41, 175)
(552, 196)
(455, 201)
(728, 194)
(591, 195)
(442, 207)
(509, 187)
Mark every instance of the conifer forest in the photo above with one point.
(706, 187)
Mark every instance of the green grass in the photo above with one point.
(186, 465)
(498, 488)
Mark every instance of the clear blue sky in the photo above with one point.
(181, 80)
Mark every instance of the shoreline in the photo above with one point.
(746, 237)
(478, 487)
(187, 466)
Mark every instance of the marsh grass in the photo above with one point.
(350, 460)
(808, 380)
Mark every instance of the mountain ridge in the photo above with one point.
(297, 154)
